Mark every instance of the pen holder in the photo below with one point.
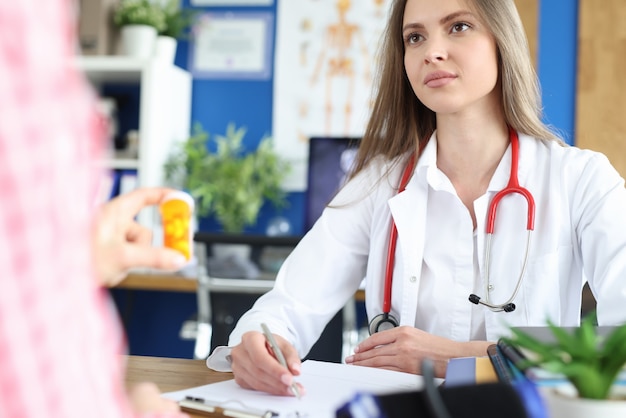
(177, 217)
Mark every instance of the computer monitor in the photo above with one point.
(330, 160)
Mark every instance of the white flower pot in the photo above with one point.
(139, 40)
(165, 50)
(567, 405)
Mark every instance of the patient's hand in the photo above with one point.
(145, 398)
(120, 243)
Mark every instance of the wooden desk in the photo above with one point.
(171, 374)
(161, 282)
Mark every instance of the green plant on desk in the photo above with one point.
(589, 362)
(228, 182)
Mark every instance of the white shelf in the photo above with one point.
(120, 160)
(112, 69)
(164, 113)
(120, 164)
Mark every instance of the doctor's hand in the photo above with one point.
(120, 243)
(403, 349)
(255, 366)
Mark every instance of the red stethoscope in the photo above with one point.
(385, 320)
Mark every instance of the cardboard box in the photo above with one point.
(96, 32)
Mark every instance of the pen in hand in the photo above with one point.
(279, 356)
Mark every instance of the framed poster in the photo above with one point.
(232, 45)
(326, 53)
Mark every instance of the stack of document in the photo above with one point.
(469, 371)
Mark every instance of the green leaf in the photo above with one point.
(542, 350)
(570, 343)
(613, 352)
(177, 20)
(587, 335)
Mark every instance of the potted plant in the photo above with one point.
(177, 22)
(140, 21)
(226, 181)
(590, 362)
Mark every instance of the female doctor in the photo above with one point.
(458, 91)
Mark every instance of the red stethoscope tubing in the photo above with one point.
(393, 238)
(512, 187)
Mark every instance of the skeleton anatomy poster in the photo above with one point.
(325, 61)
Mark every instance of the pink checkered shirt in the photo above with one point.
(60, 342)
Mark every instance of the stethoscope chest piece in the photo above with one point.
(382, 322)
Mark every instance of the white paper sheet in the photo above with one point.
(328, 386)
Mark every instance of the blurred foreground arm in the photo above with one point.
(145, 399)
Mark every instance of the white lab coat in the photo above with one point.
(580, 231)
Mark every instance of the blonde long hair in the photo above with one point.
(400, 122)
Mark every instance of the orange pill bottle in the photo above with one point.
(177, 218)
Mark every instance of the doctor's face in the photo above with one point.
(450, 56)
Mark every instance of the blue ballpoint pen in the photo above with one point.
(508, 372)
(279, 355)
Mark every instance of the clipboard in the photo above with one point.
(201, 407)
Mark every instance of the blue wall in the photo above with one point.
(154, 318)
(558, 34)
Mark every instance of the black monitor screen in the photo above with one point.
(330, 159)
